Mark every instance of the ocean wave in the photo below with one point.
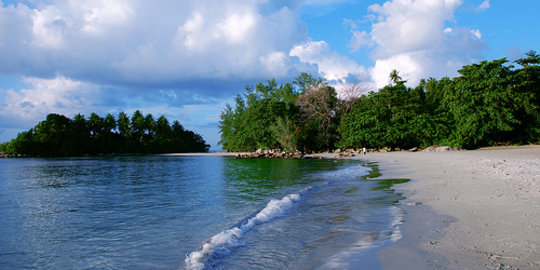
(221, 243)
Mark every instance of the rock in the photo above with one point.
(270, 153)
(345, 154)
(437, 148)
(443, 149)
(414, 149)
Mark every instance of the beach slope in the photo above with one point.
(466, 209)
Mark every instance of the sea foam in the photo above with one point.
(221, 243)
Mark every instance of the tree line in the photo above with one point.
(59, 135)
(489, 103)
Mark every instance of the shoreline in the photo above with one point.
(471, 209)
(474, 209)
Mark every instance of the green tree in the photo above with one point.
(96, 125)
(395, 78)
(138, 126)
(388, 118)
(50, 136)
(162, 141)
(124, 125)
(482, 103)
(80, 134)
(305, 80)
(526, 97)
(285, 133)
(61, 136)
(248, 126)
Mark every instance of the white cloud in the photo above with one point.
(408, 66)
(360, 39)
(408, 25)
(333, 65)
(275, 63)
(484, 6)
(411, 36)
(237, 27)
(43, 96)
(154, 43)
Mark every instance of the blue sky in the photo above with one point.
(187, 59)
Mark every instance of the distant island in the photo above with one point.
(490, 103)
(59, 135)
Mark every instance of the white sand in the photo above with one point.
(486, 207)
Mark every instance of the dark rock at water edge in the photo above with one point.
(271, 153)
(2, 155)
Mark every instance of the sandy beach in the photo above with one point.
(466, 209)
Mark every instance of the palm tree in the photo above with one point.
(109, 123)
(138, 124)
(124, 125)
(394, 77)
(96, 125)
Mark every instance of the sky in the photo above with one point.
(188, 59)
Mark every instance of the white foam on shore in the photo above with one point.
(222, 242)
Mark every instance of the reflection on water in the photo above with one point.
(150, 212)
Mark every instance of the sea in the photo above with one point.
(200, 212)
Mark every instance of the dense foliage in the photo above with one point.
(293, 116)
(60, 136)
(489, 103)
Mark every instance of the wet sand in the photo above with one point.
(467, 209)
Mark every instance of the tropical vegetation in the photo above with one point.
(489, 103)
(59, 135)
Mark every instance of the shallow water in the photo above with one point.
(192, 212)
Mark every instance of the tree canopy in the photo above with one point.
(489, 103)
(291, 116)
(59, 135)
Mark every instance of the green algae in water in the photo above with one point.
(388, 183)
(374, 173)
(383, 183)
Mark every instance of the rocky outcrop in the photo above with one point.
(437, 148)
(2, 155)
(271, 153)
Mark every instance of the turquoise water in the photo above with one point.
(192, 212)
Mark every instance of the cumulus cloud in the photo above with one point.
(159, 43)
(331, 64)
(43, 96)
(411, 36)
(341, 72)
(484, 6)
